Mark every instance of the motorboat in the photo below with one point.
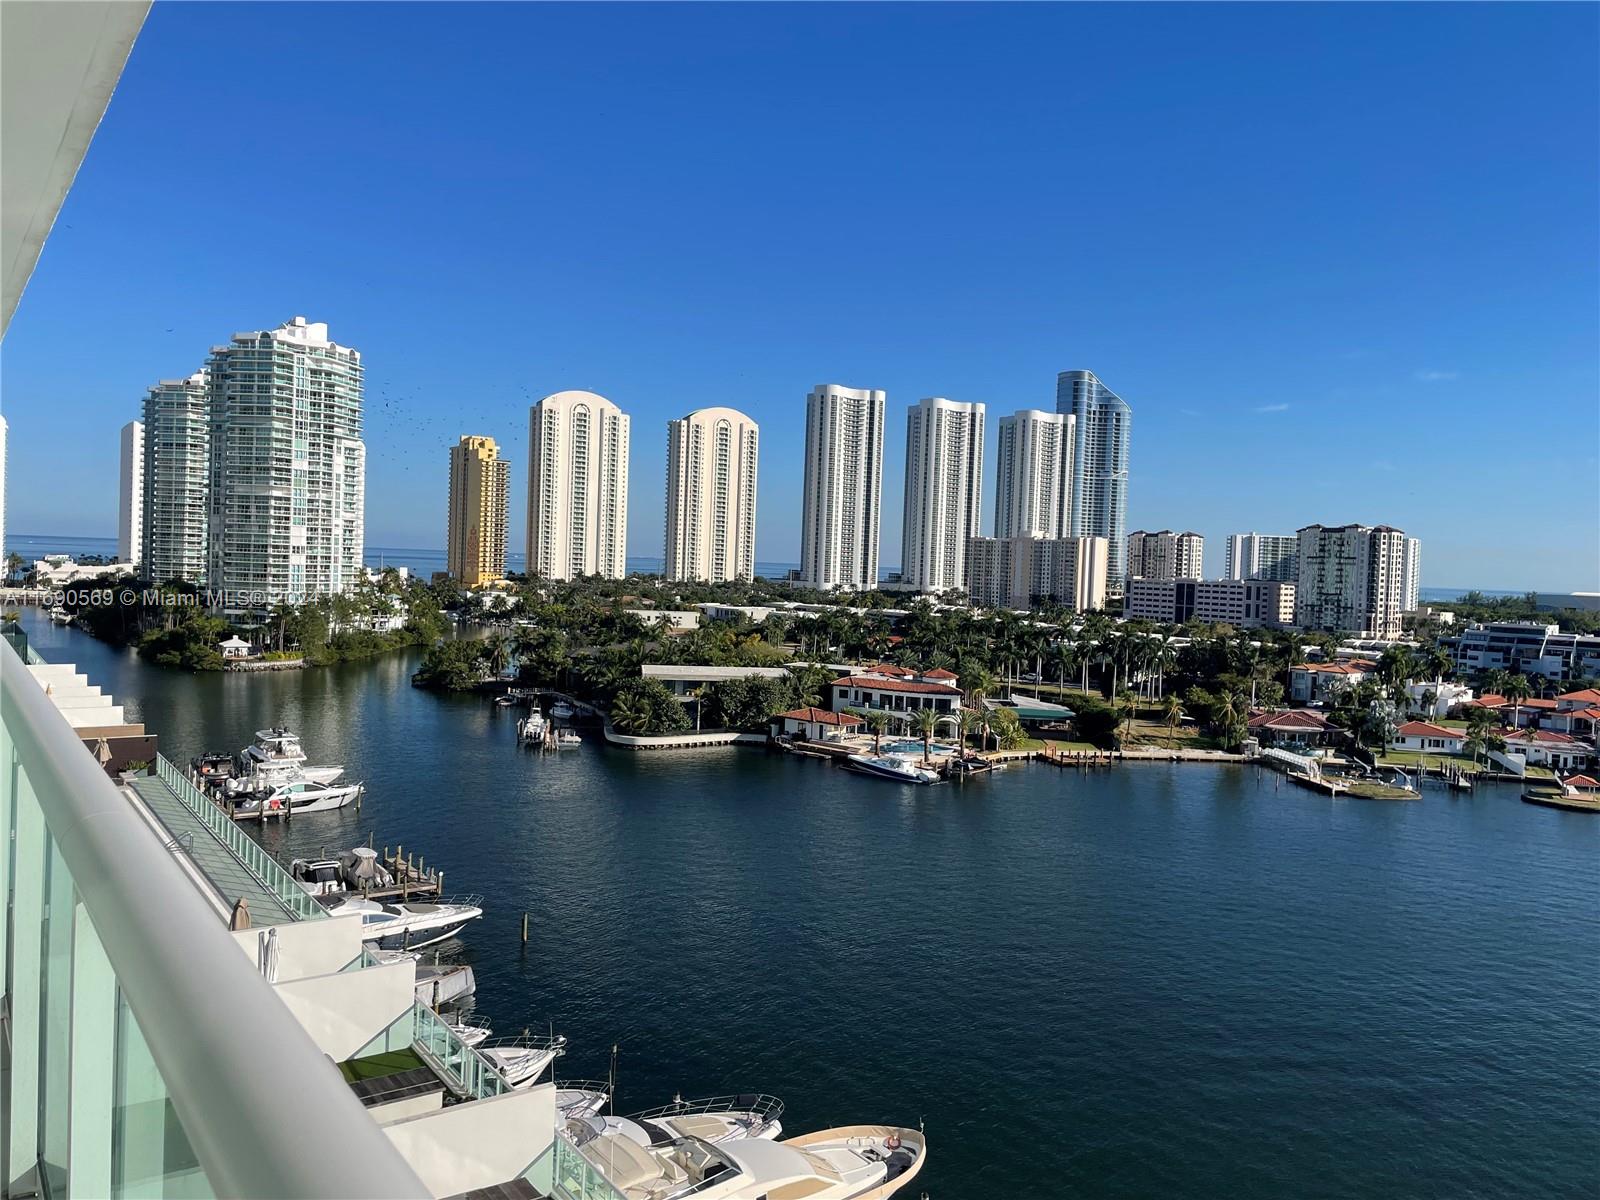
(408, 924)
(59, 615)
(521, 1060)
(533, 727)
(471, 1033)
(562, 711)
(576, 1098)
(278, 752)
(356, 870)
(296, 797)
(567, 738)
(715, 1119)
(888, 766)
(856, 1162)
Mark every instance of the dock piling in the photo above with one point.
(524, 929)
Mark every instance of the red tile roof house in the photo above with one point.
(815, 724)
(1316, 683)
(1428, 738)
(1583, 785)
(1547, 748)
(893, 693)
(1579, 722)
(1522, 713)
(1294, 729)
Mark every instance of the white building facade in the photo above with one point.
(843, 500)
(1263, 556)
(1102, 436)
(177, 481)
(130, 494)
(1016, 572)
(577, 487)
(943, 492)
(1165, 555)
(288, 471)
(1351, 579)
(1033, 475)
(711, 496)
(1411, 580)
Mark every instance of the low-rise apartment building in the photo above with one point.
(1015, 572)
(1526, 648)
(1244, 603)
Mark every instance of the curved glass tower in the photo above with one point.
(1099, 464)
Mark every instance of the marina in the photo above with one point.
(736, 920)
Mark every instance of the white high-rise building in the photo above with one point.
(1101, 438)
(711, 496)
(130, 495)
(1352, 580)
(1411, 582)
(944, 492)
(288, 467)
(1271, 556)
(177, 480)
(577, 487)
(843, 500)
(1033, 475)
(1165, 555)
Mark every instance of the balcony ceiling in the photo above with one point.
(58, 65)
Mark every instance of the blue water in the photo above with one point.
(1156, 981)
(423, 562)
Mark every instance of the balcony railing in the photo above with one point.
(141, 1037)
(240, 844)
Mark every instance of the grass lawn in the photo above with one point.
(1412, 758)
(1058, 746)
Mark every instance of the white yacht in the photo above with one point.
(407, 925)
(523, 1059)
(581, 1097)
(59, 615)
(471, 1033)
(532, 727)
(891, 766)
(716, 1119)
(561, 711)
(278, 752)
(297, 796)
(856, 1162)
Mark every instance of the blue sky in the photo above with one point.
(1341, 259)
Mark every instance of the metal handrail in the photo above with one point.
(265, 1111)
(767, 1108)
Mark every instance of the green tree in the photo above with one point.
(925, 721)
(1171, 713)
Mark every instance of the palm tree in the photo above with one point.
(1172, 713)
(978, 683)
(805, 685)
(628, 715)
(925, 721)
(1008, 734)
(966, 721)
(1517, 690)
(877, 721)
(497, 653)
(1127, 709)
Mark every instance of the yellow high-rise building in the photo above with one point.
(480, 488)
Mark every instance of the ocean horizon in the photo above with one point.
(425, 561)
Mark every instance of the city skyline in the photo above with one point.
(1329, 344)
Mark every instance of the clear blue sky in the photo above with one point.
(1341, 259)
